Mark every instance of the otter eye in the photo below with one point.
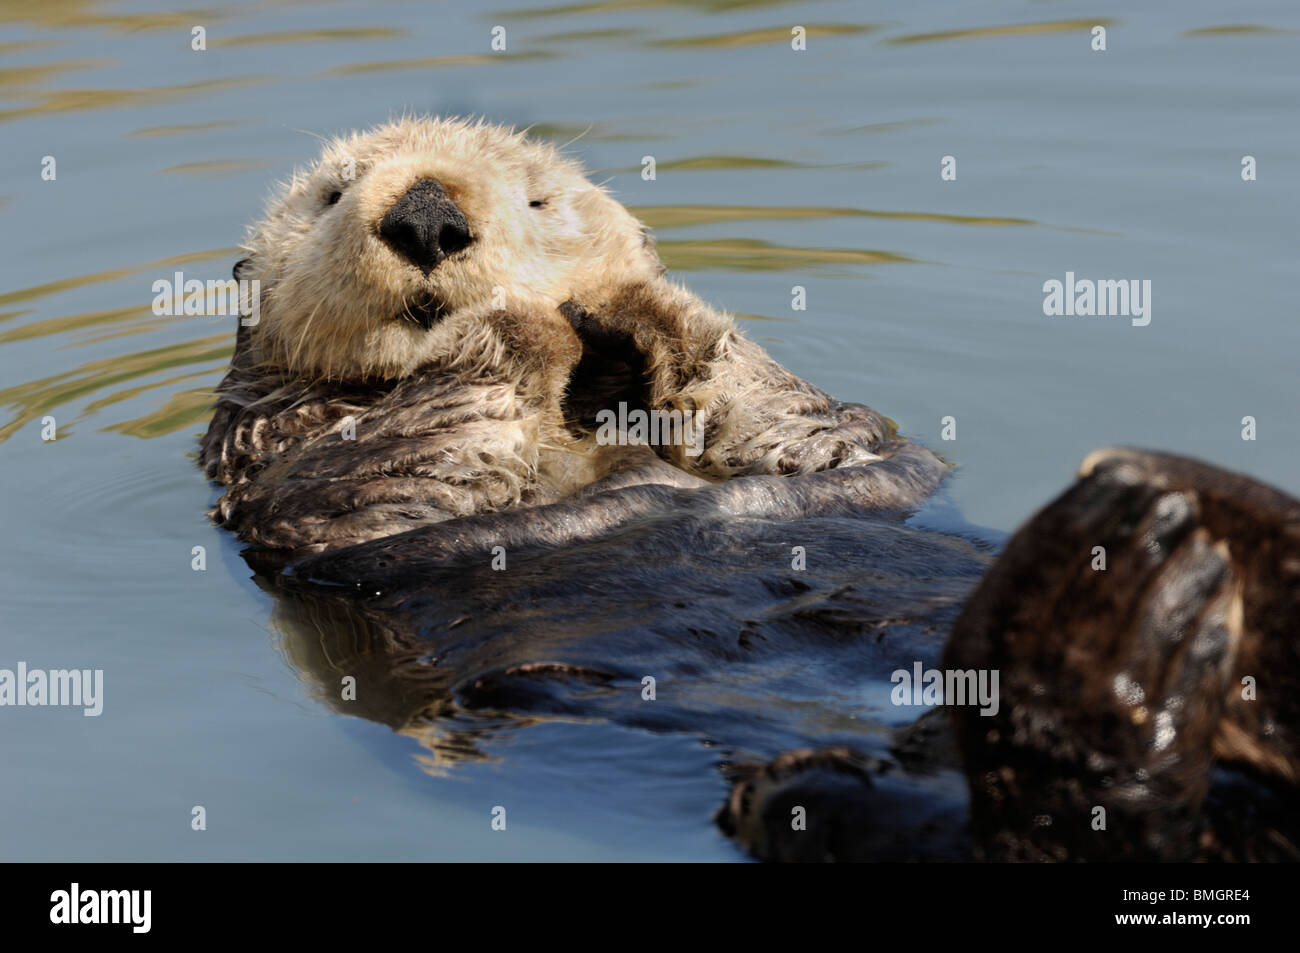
(334, 198)
(537, 203)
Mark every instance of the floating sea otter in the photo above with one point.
(449, 310)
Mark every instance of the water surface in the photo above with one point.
(775, 169)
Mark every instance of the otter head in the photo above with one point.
(365, 256)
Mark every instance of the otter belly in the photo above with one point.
(766, 612)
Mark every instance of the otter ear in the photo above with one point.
(241, 267)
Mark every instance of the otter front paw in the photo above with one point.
(597, 337)
(527, 344)
(755, 417)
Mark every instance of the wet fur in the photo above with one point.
(490, 408)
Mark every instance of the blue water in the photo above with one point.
(776, 168)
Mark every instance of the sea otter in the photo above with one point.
(407, 439)
(467, 301)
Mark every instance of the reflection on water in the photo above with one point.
(78, 100)
(216, 167)
(1251, 28)
(308, 36)
(433, 62)
(197, 357)
(182, 129)
(775, 168)
(812, 31)
(747, 254)
(36, 398)
(680, 216)
(79, 14)
(1014, 29)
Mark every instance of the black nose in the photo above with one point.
(425, 226)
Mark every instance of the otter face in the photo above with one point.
(366, 257)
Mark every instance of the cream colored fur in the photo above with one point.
(474, 413)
